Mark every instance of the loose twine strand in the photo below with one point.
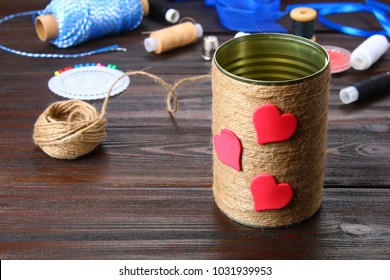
(73, 128)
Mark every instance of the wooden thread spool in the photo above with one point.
(247, 73)
(46, 26)
(146, 7)
(173, 37)
(303, 20)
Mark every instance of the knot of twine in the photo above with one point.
(73, 128)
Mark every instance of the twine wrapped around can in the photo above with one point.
(251, 176)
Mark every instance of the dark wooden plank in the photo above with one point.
(57, 222)
(164, 153)
(140, 131)
(358, 156)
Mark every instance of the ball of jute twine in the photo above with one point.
(300, 161)
(73, 128)
(69, 129)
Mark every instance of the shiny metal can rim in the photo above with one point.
(273, 36)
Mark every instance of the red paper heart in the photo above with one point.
(228, 148)
(268, 194)
(271, 125)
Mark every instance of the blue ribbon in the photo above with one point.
(261, 15)
(250, 15)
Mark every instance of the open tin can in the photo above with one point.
(278, 181)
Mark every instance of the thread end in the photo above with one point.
(349, 95)
(240, 34)
(303, 14)
(46, 27)
(199, 30)
(360, 61)
(172, 16)
(151, 44)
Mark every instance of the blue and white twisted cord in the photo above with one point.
(83, 20)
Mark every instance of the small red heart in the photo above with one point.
(271, 125)
(228, 148)
(268, 194)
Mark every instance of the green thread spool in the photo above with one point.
(303, 20)
(292, 73)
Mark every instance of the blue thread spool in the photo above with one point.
(67, 23)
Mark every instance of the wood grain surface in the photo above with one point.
(145, 193)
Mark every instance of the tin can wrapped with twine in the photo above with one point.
(270, 105)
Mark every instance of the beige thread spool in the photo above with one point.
(292, 73)
(173, 37)
(46, 26)
(303, 20)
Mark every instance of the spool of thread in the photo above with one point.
(246, 75)
(373, 86)
(63, 20)
(160, 11)
(71, 39)
(303, 20)
(173, 37)
(367, 53)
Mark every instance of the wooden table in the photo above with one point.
(145, 193)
